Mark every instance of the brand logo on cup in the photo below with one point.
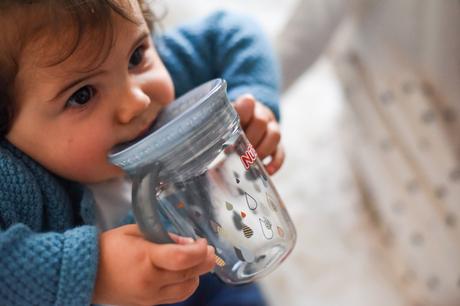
(248, 157)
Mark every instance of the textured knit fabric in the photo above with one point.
(48, 243)
(43, 261)
(227, 46)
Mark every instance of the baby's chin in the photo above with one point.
(109, 173)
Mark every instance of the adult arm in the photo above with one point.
(306, 34)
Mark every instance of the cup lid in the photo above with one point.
(182, 131)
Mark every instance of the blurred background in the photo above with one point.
(345, 252)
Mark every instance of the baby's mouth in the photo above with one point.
(143, 133)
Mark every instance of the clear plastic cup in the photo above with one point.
(197, 175)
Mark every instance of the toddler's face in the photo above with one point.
(68, 119)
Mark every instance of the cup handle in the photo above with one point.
(145, 206)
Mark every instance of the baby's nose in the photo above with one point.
(132, 104)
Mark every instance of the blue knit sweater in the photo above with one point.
(48, 241)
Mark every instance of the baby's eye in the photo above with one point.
(81, 96)
(136, 58)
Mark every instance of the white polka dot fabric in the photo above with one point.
(404, 91)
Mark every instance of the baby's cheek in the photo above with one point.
(86, 159)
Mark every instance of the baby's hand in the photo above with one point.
(134, 271)
(262, 130)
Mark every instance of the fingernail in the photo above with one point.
(188, 240)
(201, 240)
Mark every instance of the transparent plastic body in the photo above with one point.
(195, 174)
(230, 201)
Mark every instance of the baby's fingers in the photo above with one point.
(180, 239)
(176, 277)
(176, 257)
(245, 106)
(270, 140)
(179, 292)
(277, 160)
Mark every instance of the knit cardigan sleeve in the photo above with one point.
(223, 45)
(47, 268)
(44, 258)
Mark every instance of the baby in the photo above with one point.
(78, 77)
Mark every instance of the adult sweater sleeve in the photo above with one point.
(223, 45)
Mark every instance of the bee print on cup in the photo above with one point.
(247, 231)
(219, 261)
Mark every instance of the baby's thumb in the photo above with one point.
(180, 239)
(244, 106)
(130, 229)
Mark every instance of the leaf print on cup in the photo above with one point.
(252, 203)
(280, 231)
(244, 254)
(229, 206)
(216, 227)
(264, 180)
(197, 213)
(271, 203)
(237, 221)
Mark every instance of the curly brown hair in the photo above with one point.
(22, 21)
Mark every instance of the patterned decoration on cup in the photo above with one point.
(247, 231)
(244, 254)
(219, 261)
(271, 203)
(280, 231)
(252, 203)
(237, 177)
(229, 206)
(216, 227)
(266, 226)
(197, 213)
(237, 221)
(264, 180)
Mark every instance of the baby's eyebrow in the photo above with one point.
(77, 81)
(141, 37)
